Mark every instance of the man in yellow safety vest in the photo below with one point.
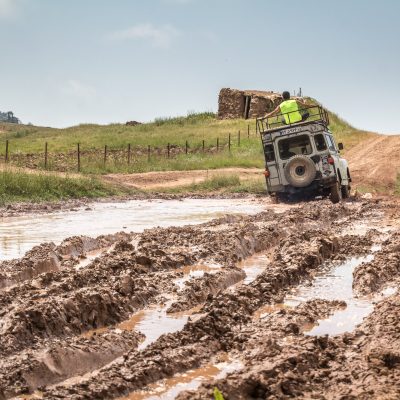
(289, 110)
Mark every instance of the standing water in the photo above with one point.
(20, 234)
(336, 284)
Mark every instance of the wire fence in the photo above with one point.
(127, 155)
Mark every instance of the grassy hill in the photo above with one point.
(193, 129)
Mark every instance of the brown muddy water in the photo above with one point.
(20, 234)
(168, 389)
(255, 265)
(154, 322)
(334, 282)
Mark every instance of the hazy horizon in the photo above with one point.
(98, 61)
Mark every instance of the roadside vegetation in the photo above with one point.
(193, 129)
(20, 186)
(196, 141)
(222, 184)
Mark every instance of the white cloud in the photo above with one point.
(8, 8)
(158, 36)
(78, 90)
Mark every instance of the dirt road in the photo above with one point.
(256, 306)
(169, 179)
(375, 162)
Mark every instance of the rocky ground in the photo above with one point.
(71, 326)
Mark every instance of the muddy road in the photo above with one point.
(290, 302)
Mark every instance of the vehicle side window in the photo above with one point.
(331, 145)
(320, 142)
(269, 152)
(294, 146)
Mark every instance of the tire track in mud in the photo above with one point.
(134, 275)
(73, 301)
(212, 333)
(382, 270)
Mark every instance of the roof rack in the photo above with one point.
(315, 114)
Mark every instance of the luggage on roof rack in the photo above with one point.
(310, 114)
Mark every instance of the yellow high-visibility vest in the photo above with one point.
(290, 111)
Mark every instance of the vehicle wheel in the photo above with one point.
(300, 171)
(345, 192)
(336, 193)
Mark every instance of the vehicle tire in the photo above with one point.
(345, 192)
(336, 193)
(300, 171)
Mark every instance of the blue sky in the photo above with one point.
(65, 62)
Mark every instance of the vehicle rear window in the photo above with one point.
(294, 146)
(331, 143)
(269, 152)
(320, 142)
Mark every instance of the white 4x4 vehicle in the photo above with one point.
(302, 158)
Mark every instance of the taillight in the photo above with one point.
(331, 160)
(267, 173)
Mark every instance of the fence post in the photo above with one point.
(203, 145)
(186, 147)
(148, 153)
(105, 154)
(168, 150)
(229, 142)
(45, 156)
(217, 144)
(129, 153)
(6, 157)
(79, 158)
(248, 131)
(238, 138)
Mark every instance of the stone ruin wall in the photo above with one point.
(232, 103)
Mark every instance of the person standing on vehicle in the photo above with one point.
(290, 110)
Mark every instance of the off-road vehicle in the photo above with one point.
(302, 159)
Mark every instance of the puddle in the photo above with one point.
(89, 257)
(20, 234)
(255, 265)
(154, 322)
(363, 226)
(335, 283)
(168, 389)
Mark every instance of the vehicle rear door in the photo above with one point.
(334, 152)
(271, 164)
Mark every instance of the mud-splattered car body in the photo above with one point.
(303, 158)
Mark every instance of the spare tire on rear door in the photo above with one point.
(300, 171)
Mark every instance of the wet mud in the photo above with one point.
(160, 313)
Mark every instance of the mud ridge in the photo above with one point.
(59, 360)
(383, 269)
(55, 308)
(202, 337)
(197, 290)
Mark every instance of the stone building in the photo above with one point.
(9, 117)
(246, 104)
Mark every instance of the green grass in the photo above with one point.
(19, 186)
(193, 128)
(223, 184)
(397, 187)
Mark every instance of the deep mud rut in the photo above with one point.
(295, 304)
